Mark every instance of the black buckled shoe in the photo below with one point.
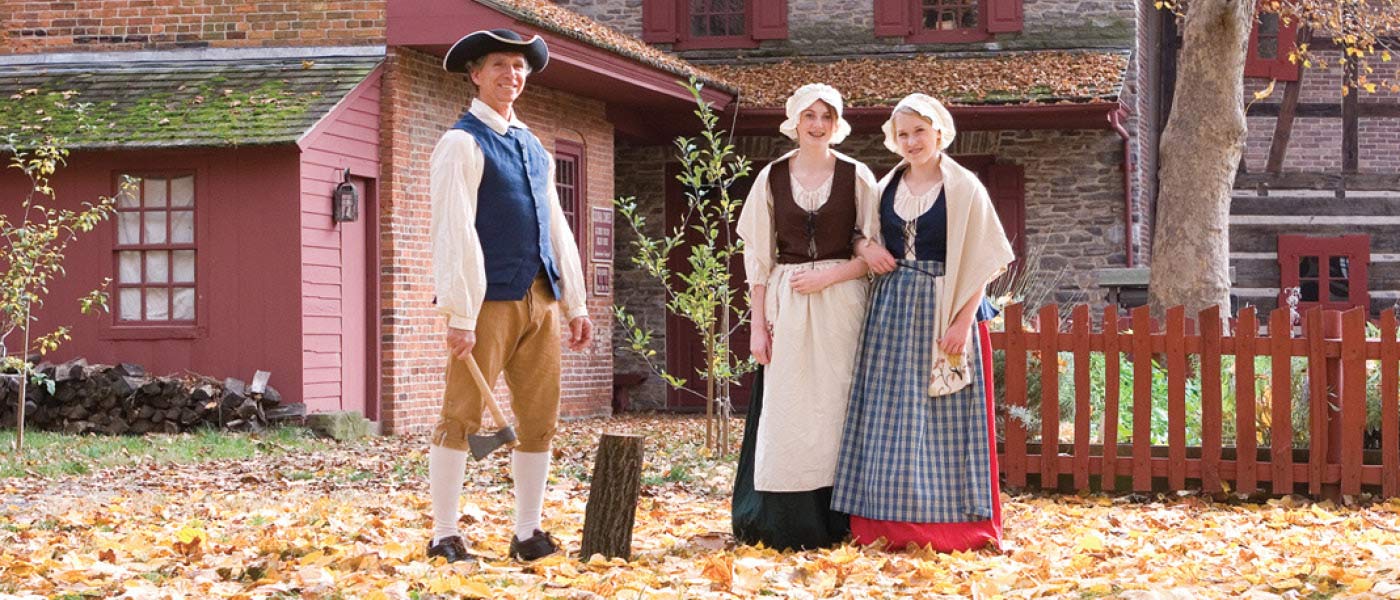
(538, 546)
(450, 548)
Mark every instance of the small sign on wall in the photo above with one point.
(602, 280)
(601, 220)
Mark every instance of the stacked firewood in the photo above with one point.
(76, 397)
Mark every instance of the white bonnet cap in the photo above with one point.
(803, 98)
(928, 107)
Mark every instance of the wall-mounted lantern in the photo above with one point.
(345, 202)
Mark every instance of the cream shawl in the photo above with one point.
(978, 250)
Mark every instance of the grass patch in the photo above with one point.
(49, 454)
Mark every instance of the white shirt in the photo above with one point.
(459, 268)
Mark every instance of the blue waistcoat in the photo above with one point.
(930, 236)
(512, 210)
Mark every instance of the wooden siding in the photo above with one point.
(246, 284)
(335, 287)
(1256, 222)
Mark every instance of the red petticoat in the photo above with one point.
(946, 537)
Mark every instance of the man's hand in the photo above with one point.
(876, 257)
(460, 342)
(580, 333)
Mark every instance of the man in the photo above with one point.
(502, 255)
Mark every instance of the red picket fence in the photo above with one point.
(1336, 368)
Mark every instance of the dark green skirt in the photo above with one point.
(782, 520)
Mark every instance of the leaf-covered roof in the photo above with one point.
(999, 78)
(173, 104)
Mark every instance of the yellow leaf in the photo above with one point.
(719, 569)
(187, 534)
(1266, 92)
(474, 589)
(1091, 542)
(1385, 56)
(1371, 88)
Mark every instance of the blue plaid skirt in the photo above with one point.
(904, 455)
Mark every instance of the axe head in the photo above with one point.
(483, 444)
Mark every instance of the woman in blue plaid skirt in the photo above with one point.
(917, 463)
(808, 292)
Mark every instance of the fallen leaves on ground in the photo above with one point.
(352, 522)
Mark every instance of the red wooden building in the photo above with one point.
(239, 126)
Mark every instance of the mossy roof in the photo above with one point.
(176, 104)
(985, 78)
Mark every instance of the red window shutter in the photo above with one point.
(1277, 66)
(1284, 69)
(770, 19)
(1356, 249)
(893, 17)
(659, 21)
(1006, 184)
(1004, 16)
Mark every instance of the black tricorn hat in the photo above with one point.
(480, 43)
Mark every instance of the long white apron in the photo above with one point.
(808, 381)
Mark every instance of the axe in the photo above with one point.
(483, 444)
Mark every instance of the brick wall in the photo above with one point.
(1074, 212)
(1316, 142)
(81, 25)
(847, 27)
(420, 101)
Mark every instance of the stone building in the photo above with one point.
(1039, 90)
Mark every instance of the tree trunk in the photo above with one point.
(1200, 151)
(612, 497)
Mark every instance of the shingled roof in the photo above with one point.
(172, 104)
(560, 20)
(1000, 78)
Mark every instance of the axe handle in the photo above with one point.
(487, 395)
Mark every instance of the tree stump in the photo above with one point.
(612, 497)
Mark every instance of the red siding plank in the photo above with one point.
(316, 360)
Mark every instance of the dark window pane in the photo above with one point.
(1309, 290)
(1338, 290)
(969, 20)
(1338, 267)
(697, 26)
(1307, 266)
(736, 25)
(1268, 36)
